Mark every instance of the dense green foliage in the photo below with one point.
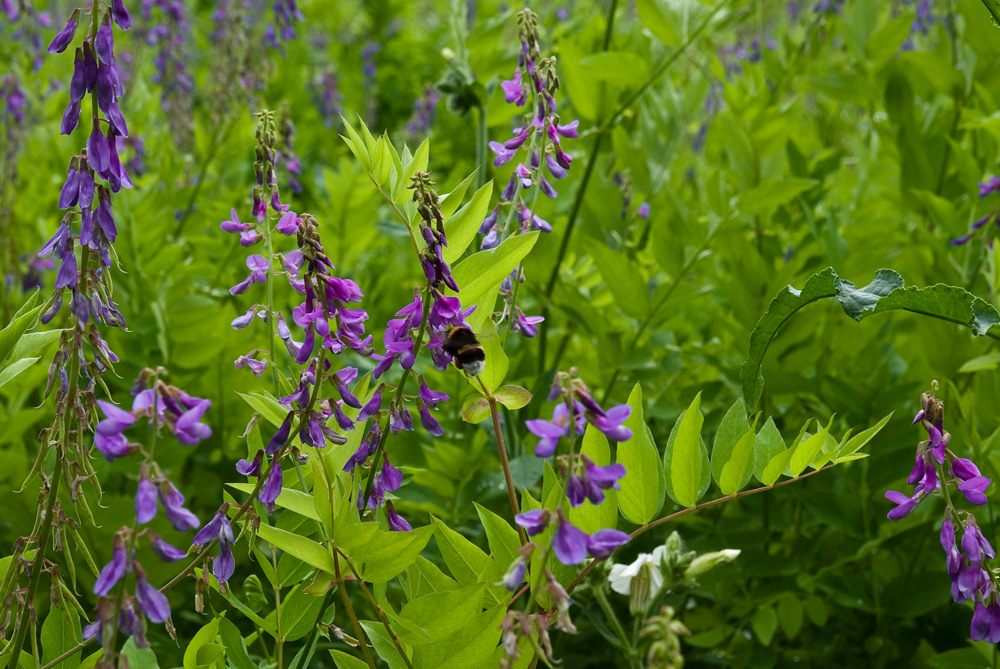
(834, 152)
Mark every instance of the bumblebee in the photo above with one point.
(468, 353)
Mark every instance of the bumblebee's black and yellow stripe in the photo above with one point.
(463, 346)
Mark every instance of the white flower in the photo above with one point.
(622, 575)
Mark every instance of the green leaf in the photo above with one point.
(790, 615)
(512, 397)
(623, 277)
(619, 68)
(440, 615)
(18, 325)
(300, 612)
(655, 20)
(497, 364)
(139, 658)
(475, 409)
(463, 227)
(293, 500)
(345, 661)
(236, 648)
(982, 363)
(468, 647)
(466, 561)
(33, 341)
(765, 624)
(8, 373)
(960, 658)
(304, 549)
(774, 468)
(859, 440)
(356, 144)
(203, 650)
(686, 465)
(767, 445)
(733, 426)
(481, 271)
(383, 644)
(268, 407)
(771, 194)
(737, 472)
(502, 538)
(60, 632)
(588, 517)
(450, 202)
(642, 487)
(807, 450)
(388, 554)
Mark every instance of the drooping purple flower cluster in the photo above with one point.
(95, 71)
(168, 37)
(161, 405)
(986, 188)
(922, 22)
(539, 135)
(424, 110)
(936, 467)
(585, 480)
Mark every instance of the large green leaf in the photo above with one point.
(463, 227)
(481, 271)
(60, 632)
(468, 647)
(686, 465)
(388, 554)
(304, 549)
(733, 426)
(642, 487)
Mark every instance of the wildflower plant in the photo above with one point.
(350, 462)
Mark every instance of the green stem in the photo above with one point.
(377, 607)
(39, 562)
(279, 638)
(482, 156)
(609, 614)
(359, 632)
(502, 450)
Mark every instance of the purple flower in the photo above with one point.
(281, 436)
(152, 601)
(644, 210)
(905, 504)
(251, 468)
(986, 623)
(234, 224)
(607, 476)
(973, 489)
(396, 522)
(551, 431)
(515, 575)
(165, 551)
(109, 439)
(992, 185)
(504, 154)
(533, 521)
(429, 422)
(65, 36)
(513, 91)
(258, 266)
(611, 422)
(272, 488)
(112, 572)
(372, 406)
(570, 542)
(219, 528)
(964, 469)
(173, 505)
(145, 501)
(603, 542)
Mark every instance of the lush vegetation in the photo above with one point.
(426, 334)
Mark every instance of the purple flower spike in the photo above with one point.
(533, 521)
(570, 542)
(604, 542)
(905, 504)
(112, 572)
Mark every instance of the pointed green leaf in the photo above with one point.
(642, 487)
(731, 429)
(767, 445)
(686, 464)
(737, 472)
(463, 227)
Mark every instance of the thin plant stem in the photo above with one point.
(378, 608)
(279, 638)
(359, 632)
(502, 450)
